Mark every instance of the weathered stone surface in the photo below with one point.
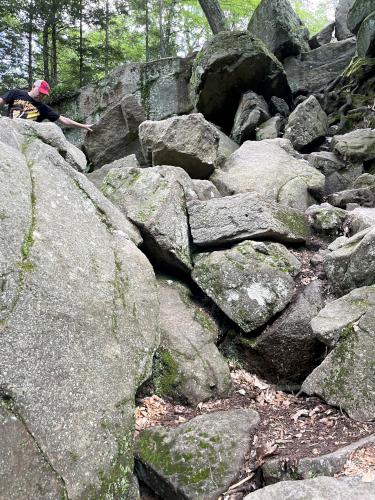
(357, 145)
(319, 488)
(252, 111)
(271, 129)
(326, 219)
(326, 162)
(358, 12)
(363, 196)
(25, 474)
(161, 88)
(97, 176)
(279, 27)
(228, 65)
(205, 190)
(250, 282)
(198, 460)
(366, 37)
(345, 378)
(306, 124)
(14, 133)
(244, 216)
(352, 262)
(341, 19)
(79, 318)
(276, 470)
(364, 180)
(189, 142)
(323, 37)
(279, 106)
(287, 351)
(273, 169)
(360, 218)
(191, 366)
(155, 200)
(313, 71)
(116, 133)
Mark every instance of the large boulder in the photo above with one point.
(155, 200)
(306, 124)
(360, 218)
(244, 216)
(228, 65)
(358, 12)
(364, 196)
(346, 376)
(198, 460)
(161, 87)
(326, 219)
(279, 27)
(250, 282)
(49, 133)
(287, 351)
(366, 37)
(97, 176)
(78, 319)
(186, 330)
(252, 111)
(313, 71)
(271, 129)
(319, 488)
(351, 263)
(323, 37)
(189, 142)
(358, 145)
(341, 19)
(273, 169)
(116, 133)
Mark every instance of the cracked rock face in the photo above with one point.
(251, 282)
(346, 376)
(273, 169)
(78, 316)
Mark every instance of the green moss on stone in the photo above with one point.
(295, 222)
(166, 375)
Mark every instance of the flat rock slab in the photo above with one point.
(189, 142)
(364, 196)
(228, 65)
(276, 470)
(323, 37)
(345, 377)
(313, 71)
(155, 200)
(320, 488)
(250, 282)
(97, 176)
(78, 318)
(274, 170)
(351, 263)
(244, 216)
(306, 124)
(279, 27)
(358, 145)
(194, 370)
(198, 460)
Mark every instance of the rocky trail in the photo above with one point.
(187, 300)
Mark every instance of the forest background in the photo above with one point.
(71, 43)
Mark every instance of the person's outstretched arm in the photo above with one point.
(71, 123)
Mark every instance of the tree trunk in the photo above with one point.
(106, 50)
(214, 15)
(46, 51)
(80, 44)
(53, 49)
(147, 21)
(30, 46)
(161, 30)
(168, 29)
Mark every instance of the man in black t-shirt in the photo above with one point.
(29, 106)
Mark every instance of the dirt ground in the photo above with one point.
(291, 427)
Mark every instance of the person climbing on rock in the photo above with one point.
(30, 106)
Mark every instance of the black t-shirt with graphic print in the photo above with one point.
(21, 105)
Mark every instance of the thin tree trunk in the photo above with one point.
(46, 51)
(80, 44)
(30, 46)
(53, 49)
(161, 30)
(147, 31)
(106, 49)
(168, 29)
(214, 14)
